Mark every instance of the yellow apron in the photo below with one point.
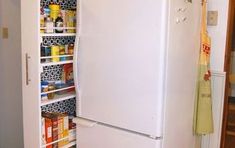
(203, 120)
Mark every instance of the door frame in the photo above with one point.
(227, 64)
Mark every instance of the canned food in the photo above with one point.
(45, 51)
(55, 51)
(62, 52)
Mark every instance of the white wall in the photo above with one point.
(218, 33)
(11, 126)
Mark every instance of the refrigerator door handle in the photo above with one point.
(84, 122)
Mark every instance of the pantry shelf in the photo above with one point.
(59, 98)
(57, 34)
(59, 56)
(70, 144)
(57, 90)
(55, 142)
(56, 63)
(72, 28)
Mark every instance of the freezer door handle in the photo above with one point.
(84, 122)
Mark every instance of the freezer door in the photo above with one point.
(105, 137)
(121, 63)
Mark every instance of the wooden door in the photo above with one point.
(227, 68)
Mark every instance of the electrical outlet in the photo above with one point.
(5, 33)
(212, 18)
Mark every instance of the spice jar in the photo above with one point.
(70, 49)
(49, 25)
(51, 87)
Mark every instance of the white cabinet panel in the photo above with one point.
(30, 46)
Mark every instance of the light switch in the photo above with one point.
(5, 33)
(212, 18)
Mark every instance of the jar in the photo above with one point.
(49, 25)
(51, 87)
(44, 86)
(70, 49)
(70, 20)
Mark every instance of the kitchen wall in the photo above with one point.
(218, 36)
(11, 124)
(218, 33)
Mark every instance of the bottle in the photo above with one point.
(59, 23)
(46, 12)
(63, 76)
(70, 49)
(42, 23)
(49, 25)
(54, 11)
(70, 21)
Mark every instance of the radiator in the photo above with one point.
(218, 89)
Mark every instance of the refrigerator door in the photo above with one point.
(121, 52)
(100, 136)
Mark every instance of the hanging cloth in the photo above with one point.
(203, 120)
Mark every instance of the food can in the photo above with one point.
(62, 52)
(45, 52)
(55, 51)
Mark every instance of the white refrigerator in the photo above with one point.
(135, 73)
